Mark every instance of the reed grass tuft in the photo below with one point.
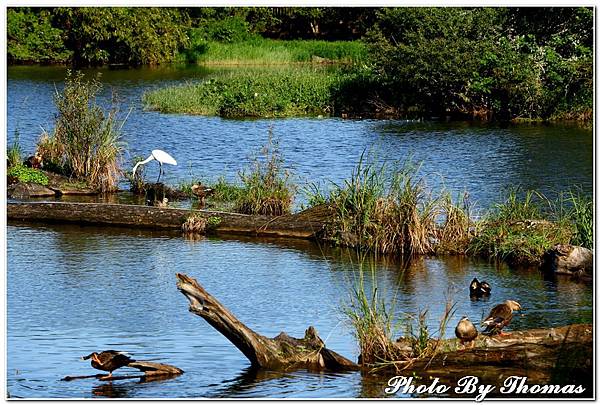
(86, 140)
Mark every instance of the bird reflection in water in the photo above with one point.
(110, 390)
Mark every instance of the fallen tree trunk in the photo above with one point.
(534, 349)
(280, 352)
(306, 224)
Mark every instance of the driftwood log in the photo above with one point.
(281, 352)
(306, 224)
(150, 369)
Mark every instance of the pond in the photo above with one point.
(75, 289)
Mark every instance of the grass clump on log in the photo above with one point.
(251, 93)
(86, 140)
(267, 188)
(520, 229)
(375, 322)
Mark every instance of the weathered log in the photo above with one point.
(280, 352)
(306, 224)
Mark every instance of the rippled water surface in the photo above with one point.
(72, 290)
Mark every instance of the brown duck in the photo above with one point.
(499, 317)
(466, 331)
(201, 192)
(108, 360)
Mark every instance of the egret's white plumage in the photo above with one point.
(161, 157)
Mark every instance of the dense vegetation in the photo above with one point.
(488, 63)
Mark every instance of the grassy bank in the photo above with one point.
(264, 51)
(387, 209)
(251, 93)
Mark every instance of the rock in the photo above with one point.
(568, 259)
(28, 190)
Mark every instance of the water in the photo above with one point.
(481, 159)
(72, 290)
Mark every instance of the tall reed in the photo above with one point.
(86, 140)
(387, 211)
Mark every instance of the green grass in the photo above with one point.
(267, 188)
(251, 93)
(264, 51)
(28, 175)
(520, 229)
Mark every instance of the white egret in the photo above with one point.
(161, 157)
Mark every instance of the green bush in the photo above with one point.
(28, 175)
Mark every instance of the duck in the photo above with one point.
(466, 331)
(36, 161)
(201, 192)
(499, 317)
(108, 360)
(162, 204)
(479, 289)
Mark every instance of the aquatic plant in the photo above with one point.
(267, 188)
(27, 175)
(86, 140)
(14, 153)
(581, 214)
(458, 228)
(373, 320)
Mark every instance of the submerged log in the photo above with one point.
(306, 224)
(280, 352)
(150, 369)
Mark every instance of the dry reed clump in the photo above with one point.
(86, 140)
(458, 227)
(382, 211)
(195, 224)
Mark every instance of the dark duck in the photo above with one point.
(465, 331)
(499, 317)
(108, 360)
(479, 289)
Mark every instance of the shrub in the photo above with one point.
(86, 140)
